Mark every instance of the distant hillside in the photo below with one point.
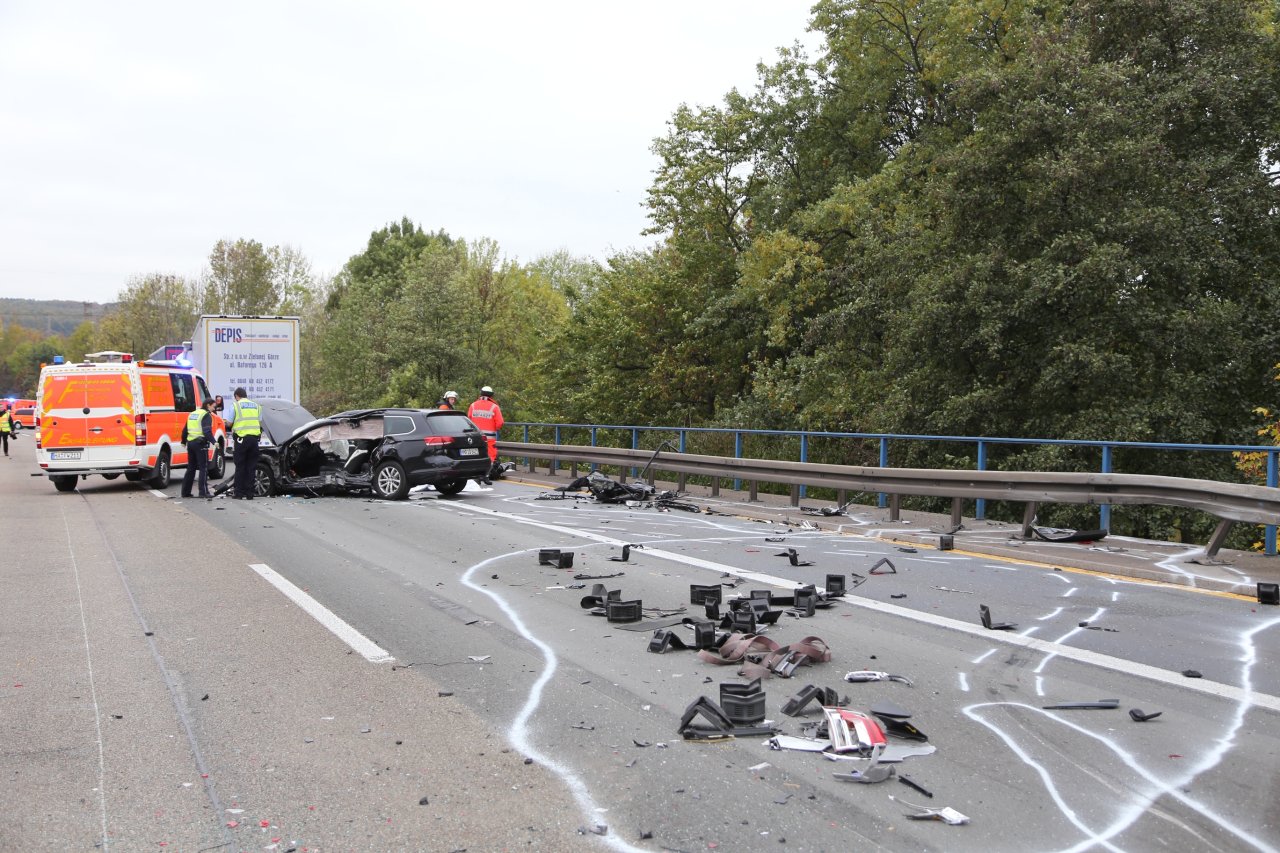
(51, 316)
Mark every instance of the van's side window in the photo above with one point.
(184, 392)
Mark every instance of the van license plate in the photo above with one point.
(469, 451)
(65, 454)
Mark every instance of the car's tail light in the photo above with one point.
(37, 429)
(438, 440)
(140, 431)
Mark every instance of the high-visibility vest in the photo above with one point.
(195, 425)
(6, 421)
(487, 415)
(247, 420)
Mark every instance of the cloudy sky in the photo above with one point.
(135, 135)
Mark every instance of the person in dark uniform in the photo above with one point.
(247, 429)
(198, 437)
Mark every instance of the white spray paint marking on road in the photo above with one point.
(519, 732)
(1070, 592)
(1049, 615)
(1065, 637)
(980, 658)
(964, 682)
(1059, 576)
(361, 644)
(1115, 595)
(1128, 667)
(1029, 631)
(1040, 685)
(1141, 803)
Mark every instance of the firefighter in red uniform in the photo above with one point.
(488, 417)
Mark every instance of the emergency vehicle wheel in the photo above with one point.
(264, 482)
(451, 487)
(218, 465)
(389, 481)
(64, 484)
(109, 476)
(160, 474)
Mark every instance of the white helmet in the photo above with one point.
(453, 394)
(486, 390)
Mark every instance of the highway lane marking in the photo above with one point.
(93, 684)
(1126, 667)
(361, 644)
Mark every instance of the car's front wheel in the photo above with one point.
(390, 482)
(451, 487)
(264, 481)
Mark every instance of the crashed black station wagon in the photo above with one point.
(380, 451)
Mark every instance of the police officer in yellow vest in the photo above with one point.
(247, 427)
(198, 437)
(6, 427)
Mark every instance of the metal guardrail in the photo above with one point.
(1229, 502)
(982, 446)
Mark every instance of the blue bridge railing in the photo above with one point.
(567, 433)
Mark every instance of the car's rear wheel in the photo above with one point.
(264, 480)
(451, 487)
(64, 483)
(390, 482)
(160, 474)
(109, 476)
(218, 465)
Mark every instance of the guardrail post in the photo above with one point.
(737, 454)
(594, 466)
(555, 464)
(528, 461)
(884, 463)
(795, 494)
(1104, 510)
(895, 507)
(683, 478)
(980, 512)
(635, 445)
(1272, 480)
(804, 457)
(752, 494)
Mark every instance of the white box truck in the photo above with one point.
(259, 354)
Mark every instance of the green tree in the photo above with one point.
(152, 311)
(242, 279)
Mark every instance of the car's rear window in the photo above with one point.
(450, 423)
(397, 425)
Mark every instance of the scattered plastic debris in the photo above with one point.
(794, 557)
(911, 783)
(1140, 716)
(947, 815)
(1192, 673)
(873, 675)
(984, 613)
(1096, 705)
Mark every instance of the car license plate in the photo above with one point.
(469, 451)
(65, 454)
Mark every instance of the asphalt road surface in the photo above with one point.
(440, 595)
